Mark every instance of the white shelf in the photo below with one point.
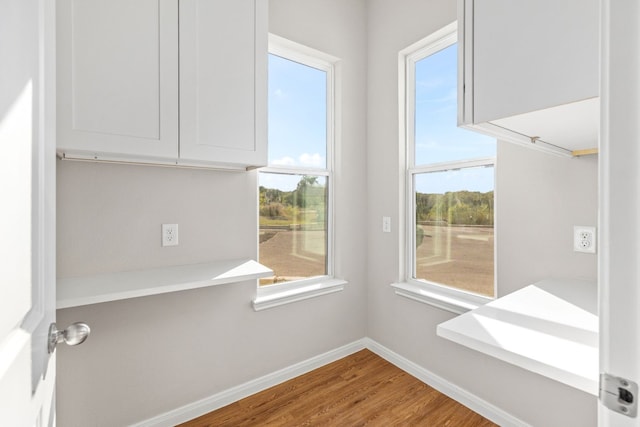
(77, 291)
(550, 328)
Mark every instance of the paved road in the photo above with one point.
(293, 254)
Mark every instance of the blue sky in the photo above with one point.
(297, 124)
(297, 114)
(437, 137)
(297, 119)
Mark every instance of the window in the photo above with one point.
(450, 183)
(296, 188)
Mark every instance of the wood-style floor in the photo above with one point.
(361, 389)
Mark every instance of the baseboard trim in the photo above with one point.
(459, 394)
(226, 397)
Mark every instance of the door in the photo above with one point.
(619, 258)
(27, 186)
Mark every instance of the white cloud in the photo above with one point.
(312, 160)
(305, 159)
(285, 161)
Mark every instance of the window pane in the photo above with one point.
(454, 229)
(297, 114)
(437, 137)
(293, 226)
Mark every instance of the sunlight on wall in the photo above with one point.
(16, 135)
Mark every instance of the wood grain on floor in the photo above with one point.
(361, 389)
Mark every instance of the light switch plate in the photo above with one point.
(386, 224)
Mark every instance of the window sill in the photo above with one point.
(436, 296)
(286, 293)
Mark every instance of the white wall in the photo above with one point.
(539, 197)
(150, 355)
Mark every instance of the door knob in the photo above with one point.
(75, 334)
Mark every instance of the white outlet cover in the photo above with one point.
(584, 239)
(169, 234)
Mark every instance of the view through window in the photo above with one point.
(294, 188)
(451, 176)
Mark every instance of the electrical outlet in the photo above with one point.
(584, 239)
(169, 234)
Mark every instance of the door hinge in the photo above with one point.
(619, 394)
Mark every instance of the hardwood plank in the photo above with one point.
(361, 389)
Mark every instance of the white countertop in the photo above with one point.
(550, 327)
(77, 291)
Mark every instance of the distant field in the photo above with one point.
(457, 256)
(292, 254)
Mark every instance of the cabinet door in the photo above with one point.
(223, 71)
(118, 78)
(531, 55)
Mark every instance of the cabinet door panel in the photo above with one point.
(118, 77)
(223, 81)
(531, 55)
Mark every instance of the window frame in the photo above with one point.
(276, 294)
(439, 295)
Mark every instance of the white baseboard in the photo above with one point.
(461, 395)
(218, 400)
(226, 397)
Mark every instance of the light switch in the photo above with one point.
(386, 224)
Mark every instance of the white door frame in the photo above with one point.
(619, 205)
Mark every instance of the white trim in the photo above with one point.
(454, 299)
(226, 397)
(85, 156)
(452, 165)
(444, 37)
(619, 207)
(439, 295)
(495, 131)
(286, 293)
(288, 170)
(291, 50)
(455, 392)
(445, 298)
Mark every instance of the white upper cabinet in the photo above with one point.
(223, 81)
(118, 78)
(131, 73)
(530, 71)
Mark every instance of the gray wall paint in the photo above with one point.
(539, 199)
(150, 355)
